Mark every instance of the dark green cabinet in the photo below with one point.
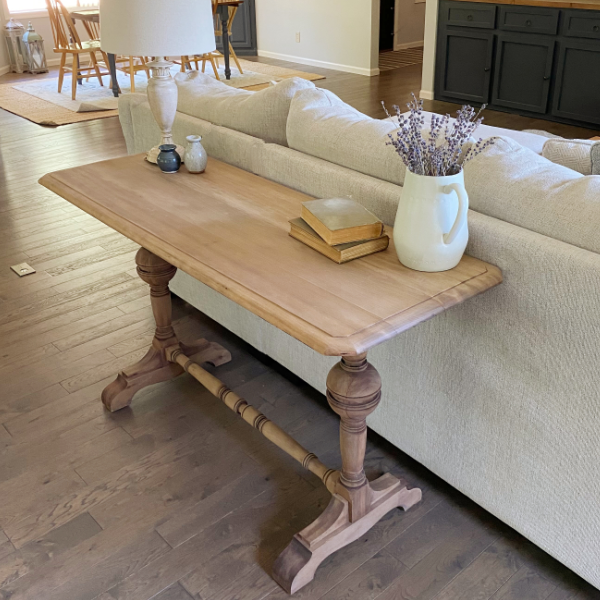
(522, 73)
(534, 61)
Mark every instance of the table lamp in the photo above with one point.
(158, 28)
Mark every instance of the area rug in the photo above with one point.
(400, 58)
(40, 102)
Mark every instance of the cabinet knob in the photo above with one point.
(546, 78)
(486, 69)
(596, 28)
(528, 23)
(469, 17)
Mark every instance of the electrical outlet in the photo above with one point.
(23, 269)
(298, 37)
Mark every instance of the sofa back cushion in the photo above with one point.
(529, 139)
(516, 185)
(261, 114)
(321, 125)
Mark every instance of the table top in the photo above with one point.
(229, 229)
(93, 14)
(86, 15)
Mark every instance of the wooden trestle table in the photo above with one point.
(229, 229)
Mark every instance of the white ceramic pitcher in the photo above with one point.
(431, 230)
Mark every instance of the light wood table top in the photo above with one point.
(229, 229)
(92, 15)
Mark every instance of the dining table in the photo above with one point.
(92, 15)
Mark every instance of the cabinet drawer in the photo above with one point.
(582, 23)
(529, 20)
(467, 14)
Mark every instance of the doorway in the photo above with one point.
(387, 24)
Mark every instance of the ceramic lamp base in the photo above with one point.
(152, 155)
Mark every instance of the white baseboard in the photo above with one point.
(319, 63)
(51, 62)
(426, 95)
(408, 45)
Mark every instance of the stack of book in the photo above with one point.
(340, 229)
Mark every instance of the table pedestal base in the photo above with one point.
(353, 392)
(296, 565)
(155, 367)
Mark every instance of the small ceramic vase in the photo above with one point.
(195, 156)
(168, 160)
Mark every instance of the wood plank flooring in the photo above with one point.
(175, 498)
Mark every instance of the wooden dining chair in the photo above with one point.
(67, 42)
(186, 62)
(132, 65)
(128, 64)
(92, 29)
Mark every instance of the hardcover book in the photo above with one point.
(340, 220)
(340, 253)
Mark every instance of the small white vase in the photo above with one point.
(195, 157)
(431, 230)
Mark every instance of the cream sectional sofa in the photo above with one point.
(498, 396)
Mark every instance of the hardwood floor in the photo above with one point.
(175, 498)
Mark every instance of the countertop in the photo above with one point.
(581, 4)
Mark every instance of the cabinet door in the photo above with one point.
(577, 88)
(523, 71)
(243, 32)
(464, 65)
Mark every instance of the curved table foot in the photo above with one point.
(296, 565)
(155, 368)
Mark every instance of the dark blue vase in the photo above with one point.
(168, 160)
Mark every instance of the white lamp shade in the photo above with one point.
(157, 27)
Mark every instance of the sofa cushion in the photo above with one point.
(321, 125)
(222, 143)
(528, 139)
(574, 154)
(261, 114)
(516, 185)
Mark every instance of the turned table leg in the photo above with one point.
(353, 392)
(155, 366)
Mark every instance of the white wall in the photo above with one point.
(431, 19)
(335, 34)
(410, 24)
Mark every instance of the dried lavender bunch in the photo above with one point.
(441, 152)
